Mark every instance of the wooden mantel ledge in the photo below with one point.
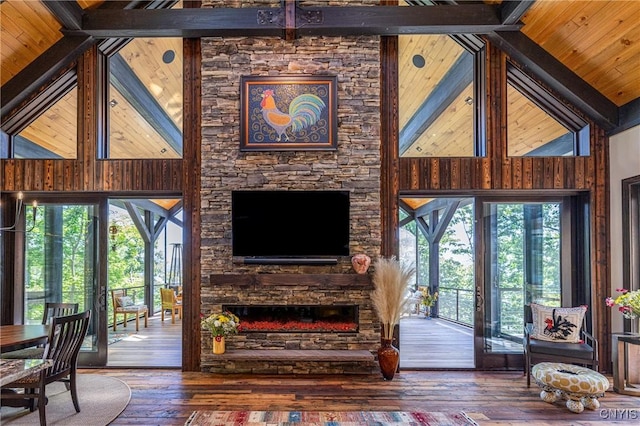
(296, 355)
(332, 280)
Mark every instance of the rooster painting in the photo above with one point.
(304, 111)
(288, 113)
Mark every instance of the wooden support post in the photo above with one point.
(290, 19)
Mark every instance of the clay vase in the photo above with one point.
(218, 345)
(361, 263)
(388, 358)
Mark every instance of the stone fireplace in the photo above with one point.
(312, 323)
(354, 166)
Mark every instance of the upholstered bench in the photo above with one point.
(580, 386)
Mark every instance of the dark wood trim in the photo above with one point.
(389, 146)
(54, 62)
(557, 76)
(67, 13)
(186, 23)
(525, 84)
(324, 281)
(191, 173)
(512, 11)
(41, 102)
(290, 9)
(395, 20)
(630, 236)
(333, 21)
(629, 116)
(598, 178)
(47, 67)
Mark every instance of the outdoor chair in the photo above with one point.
(51, 310)
(124, 305)
(65, 339)
(583, 350)
(170, 302)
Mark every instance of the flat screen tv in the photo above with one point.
(289, 226)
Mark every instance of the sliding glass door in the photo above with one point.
(522, 264)
(61, 265)
(488, 257)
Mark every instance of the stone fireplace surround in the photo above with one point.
(296, 352)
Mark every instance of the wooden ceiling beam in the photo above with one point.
(512, 11)
(41, 71)
(560, 78)
(629, 116)
(48, 66)
(323, 21)
(67, 13)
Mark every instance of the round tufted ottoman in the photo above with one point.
(580, 386)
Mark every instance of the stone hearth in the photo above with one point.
(345, 297)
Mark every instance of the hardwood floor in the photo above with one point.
(168, 397)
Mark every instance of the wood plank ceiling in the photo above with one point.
(597, 40)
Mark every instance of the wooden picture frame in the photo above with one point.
(288, 113)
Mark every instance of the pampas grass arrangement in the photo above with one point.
(390, 296)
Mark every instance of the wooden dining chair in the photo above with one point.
(65, 339)
(170, 302)
(51, 310)
(58, 309)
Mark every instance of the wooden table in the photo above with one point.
(15, 369)
(626, 364)
(14, 337)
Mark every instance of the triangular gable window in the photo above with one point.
(538, 124)
(47, 129)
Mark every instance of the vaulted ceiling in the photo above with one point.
(587, 50)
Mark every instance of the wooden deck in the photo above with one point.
(159, 345)
(434, 343)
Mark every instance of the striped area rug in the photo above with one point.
(326, 418)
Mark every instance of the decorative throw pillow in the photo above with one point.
(557, 324)
(124, 301)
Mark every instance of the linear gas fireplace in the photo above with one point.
(296, 318)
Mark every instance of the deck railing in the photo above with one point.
(456, 304)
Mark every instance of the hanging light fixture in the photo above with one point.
(20, 207)
(113, 231)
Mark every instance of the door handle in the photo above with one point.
(479, 299)
(102, 300)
